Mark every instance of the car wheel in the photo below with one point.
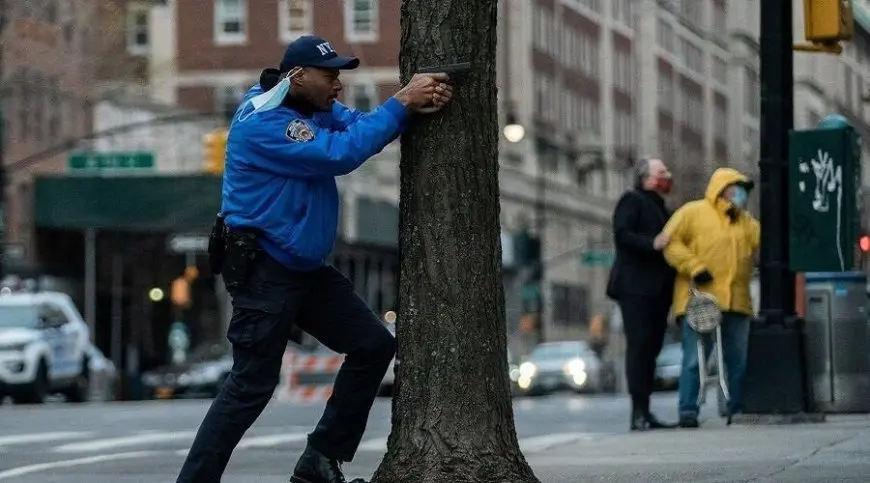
(35, 394)
(81, 386)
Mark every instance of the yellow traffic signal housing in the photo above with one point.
(826, 23)
(215, 150)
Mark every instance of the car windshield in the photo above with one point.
(559, 351)
(19, 316)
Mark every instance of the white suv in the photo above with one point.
(43, 347)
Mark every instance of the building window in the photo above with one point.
(296, 19)
(666, 92)
(752, 94)
(570, 305)
(227, 100)
(693, 57)
(720, 70)
(231, 21)
(720, 19)
(362, 97)
(361, 20)
(665, 36)
(138, 39)
(692, 11)
(622, 12)
(622, 71)
(722, 121)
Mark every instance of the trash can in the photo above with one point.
(838, 341)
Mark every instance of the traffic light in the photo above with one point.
(826, 23)
(215, 150)
(864, 243)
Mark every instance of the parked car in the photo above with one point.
(43, 347)
(669, 365)
(200, 376)
(571, 365)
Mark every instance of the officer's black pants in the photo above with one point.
(323, 304)
(644, 320)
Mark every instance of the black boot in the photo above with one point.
(654, 423)
(315, 467)
(638, 420)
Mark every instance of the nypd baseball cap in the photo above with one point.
(313, 51)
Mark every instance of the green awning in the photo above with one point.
(142, 203)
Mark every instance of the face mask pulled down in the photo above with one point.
(272, 98)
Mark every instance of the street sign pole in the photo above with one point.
(775, 381)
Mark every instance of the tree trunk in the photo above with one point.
(452, 414)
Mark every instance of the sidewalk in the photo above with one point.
(836, 450)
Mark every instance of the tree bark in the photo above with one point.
(452, 414)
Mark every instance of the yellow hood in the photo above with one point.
(721, 179)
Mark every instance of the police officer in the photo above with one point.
(288, 141)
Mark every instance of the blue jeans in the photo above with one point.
(735, 342)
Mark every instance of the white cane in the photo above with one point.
(704, 316)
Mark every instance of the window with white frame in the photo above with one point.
(665, 36)
(720, 19)
(138, 36)
(721, 119)
(230, 21)
(752, 94)
(296, 18)
(666, 92)
(693, 56)
(227, 99)
(361, 20)
(362, 97)
(720, 70)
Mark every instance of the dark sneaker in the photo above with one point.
(689, 422)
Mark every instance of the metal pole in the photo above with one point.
(777, 114)
(117, 293)
(776, 379)
(541, 227)
(91, 279)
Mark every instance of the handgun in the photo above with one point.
(449, 69)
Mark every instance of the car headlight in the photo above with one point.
(575, 367)
(527, 370)
(18, 346)
(202, 376)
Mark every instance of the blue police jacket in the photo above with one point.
(281, 167)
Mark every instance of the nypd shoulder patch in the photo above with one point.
(299, 131)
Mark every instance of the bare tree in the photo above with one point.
(452, 415)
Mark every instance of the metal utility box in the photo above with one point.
(838, 341)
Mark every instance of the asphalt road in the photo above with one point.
(147, 441)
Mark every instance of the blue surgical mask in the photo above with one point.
(738, 196)
(270, 99)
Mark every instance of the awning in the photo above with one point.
(142, 203)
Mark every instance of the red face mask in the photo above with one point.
(664, 185)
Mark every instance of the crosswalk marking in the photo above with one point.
(547, 441)
(271, 440)
(84, 442)
(124, 441)
(376, 444)
(26, 470)
(43, 437)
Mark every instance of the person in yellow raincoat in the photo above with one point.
(712, 244)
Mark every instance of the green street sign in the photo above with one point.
(599, 258)
(111, 161)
